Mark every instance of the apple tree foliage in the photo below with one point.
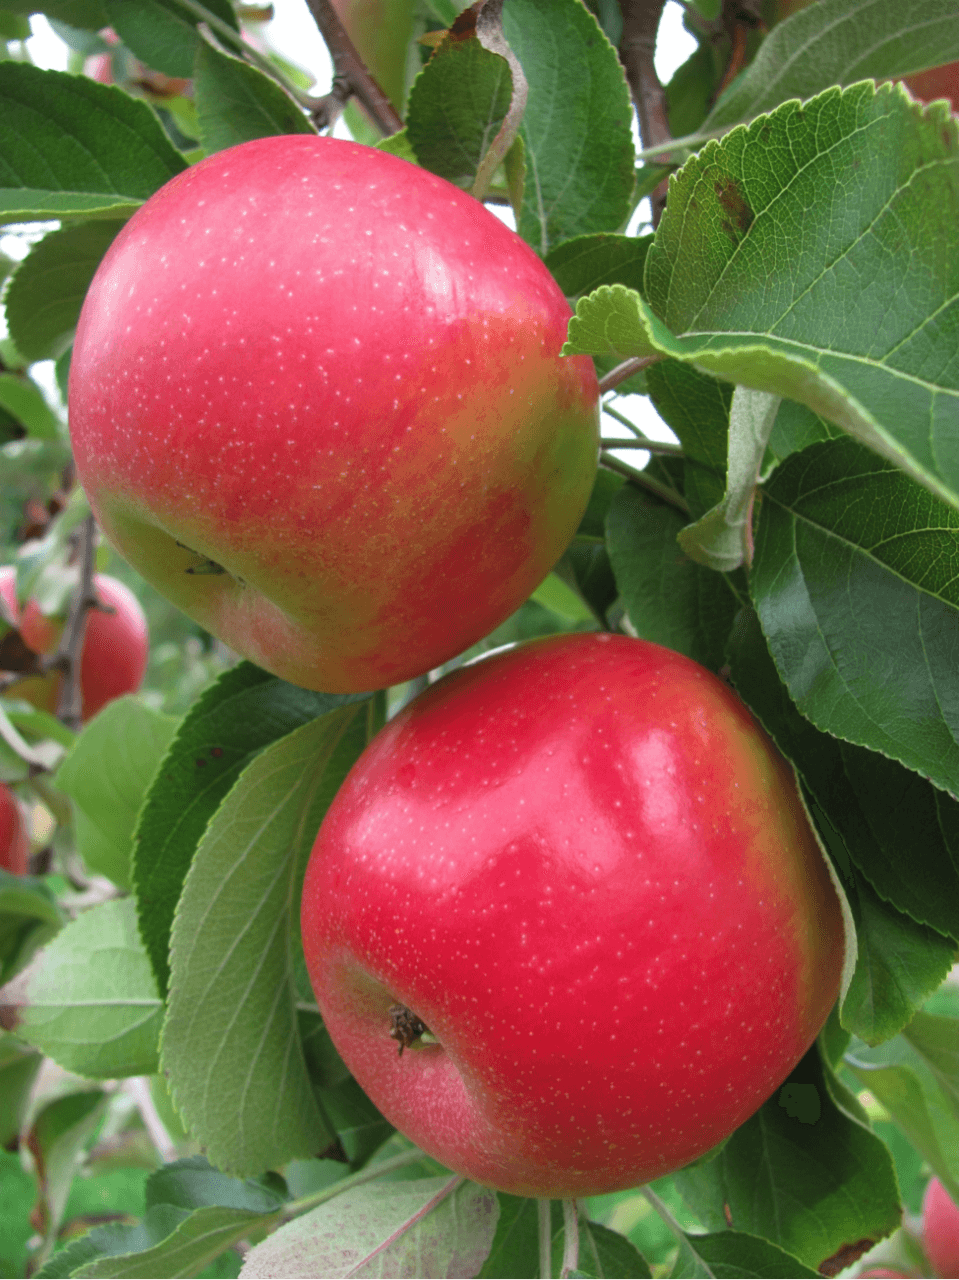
(794, 315)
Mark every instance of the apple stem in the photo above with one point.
(619, 374)
(645, 481)
(664, 1214)
(570, 1238)
(544, 1212)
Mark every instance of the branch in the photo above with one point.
(138, 1087)
(637, 47)
(570, 1239)
(350, 76)
(67, 655)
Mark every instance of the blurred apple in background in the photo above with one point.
(115, 645)
(14, 841)
(940, 1229)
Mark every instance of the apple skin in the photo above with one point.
(337, 377)
(587, 870)
(115, 645)
(14, 841)
(940, 1229)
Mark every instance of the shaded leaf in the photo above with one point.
(161, 33)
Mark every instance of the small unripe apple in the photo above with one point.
(940, 1229)
(575, 885)
(14, 841)
(116, 645)
(316, 398)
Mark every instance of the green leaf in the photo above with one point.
(826, 44)
(193, 1183)
(107, 773)
(237, 716)
(856, 583)
(919, 1096)
(161, 33)
(901, 963)
(230, 1041)
(559, 596)
(60, 1132)
(584, 263)
(29, 917)
(515, 1247)
(457, 106)
(46, 293)
(669, 598)
(89, 14)
(236, 103)
(736, 1255)
(24, 401)
(803, 1173)
(861, 324)
(185, 1248)
(92, 1003)
(428, 1226)
(578, 146)
(895, 827)
(72, 147)
(603, 1252)
(18, 1069)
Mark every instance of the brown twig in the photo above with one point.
(637, 47)
(67, 655)
(351, 79)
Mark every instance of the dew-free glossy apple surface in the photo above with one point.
(587, 870)
(337, 377)
(14, 842)
(116, 645)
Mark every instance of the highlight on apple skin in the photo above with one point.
(14, 840)
(316, 398)
(566, 920)
(116, 645)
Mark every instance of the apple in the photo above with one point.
(316, 398)
(566, 920)
(936, 82)
(940, 1229)
(14, 841)
(116, 645)
(883, 1273)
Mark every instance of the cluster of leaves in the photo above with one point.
(797, 307)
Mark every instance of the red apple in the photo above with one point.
(115, 645)
(937, 82)
(14, 841)
(883, 1273)
(586, 870)
(316, 398)
(940, 1229)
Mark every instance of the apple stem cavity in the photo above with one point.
(407, 1028)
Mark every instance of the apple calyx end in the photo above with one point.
(410, 1030)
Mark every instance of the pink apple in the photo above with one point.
(14, 841)
(584, 868)
(940, 1229)
(115, 645)
(316, 398)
